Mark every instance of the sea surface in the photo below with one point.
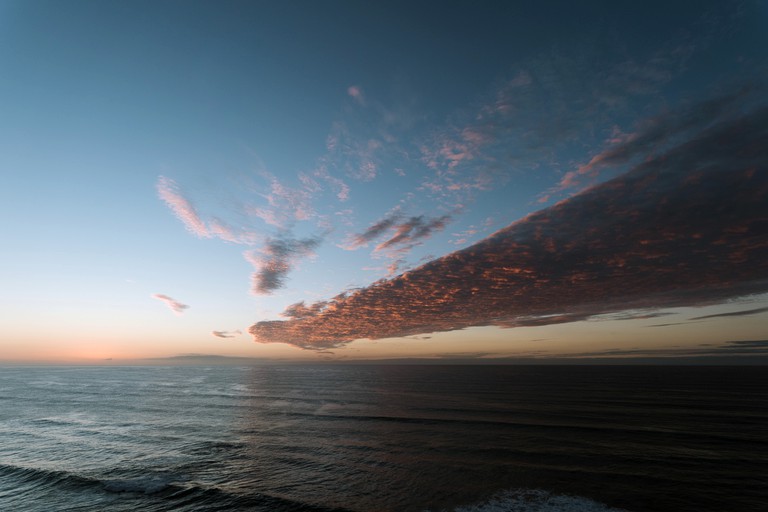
(384, 438)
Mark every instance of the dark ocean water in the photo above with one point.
(384, 438)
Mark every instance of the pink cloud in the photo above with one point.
(367, 171)
(463, 236)
(341, 188)
(185, 211)
(175, 306)
(356, 153)
(681, 229)
(181, 207)
(291, 202)
(394, 267)
(221, 230)
(270, 217)
(287, 205)
(356, 93)
(522, 79)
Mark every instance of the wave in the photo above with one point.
(143, 485)
(536, 500)
(44, 477)
(36, 477)
(165, 490)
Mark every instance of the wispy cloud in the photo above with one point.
(181, 207)
(287, 205)
(534, 119)
(682, 228)
(412, 231)
(356, 93)
(634, 315)
(275, 260)
(226, 334)
(175, 306)
(531, 120)
(185, 211)
(668, 324)
(464, 236)
(357, 153)
(744, 312)
(281, 208)
(376, 230)
(403, 233)
(341, 188)
(656, 134)
(744, 348)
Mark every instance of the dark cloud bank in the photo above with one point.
(687, 226)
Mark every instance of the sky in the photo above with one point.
(487, 182)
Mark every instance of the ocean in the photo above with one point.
(384, 438)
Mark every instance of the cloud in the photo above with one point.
(633, 315)
(748, 344)
(733, 313)
(341, 188)
(376, 230)
(522, 79)
(223, 231)
(686, 227)
(463, 236)
(182, 208)
(452, 149)
(655, 133)
(356, 153)
(409, 233)
(287, 205)
(668, 325)
(275, 260)
(405, 232)
(176, 306)
(413, 230)
(534, 118)
(726, 348)
(356, 93)
(226, 334)
(465, 355)
(301, 310)
(186, 212)
(394, 266)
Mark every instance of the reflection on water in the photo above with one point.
(411, 437)
(384, 438)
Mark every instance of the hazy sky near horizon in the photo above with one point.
(346, 180)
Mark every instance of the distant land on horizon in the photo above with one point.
(733, 353)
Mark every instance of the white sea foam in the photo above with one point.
(536, 500)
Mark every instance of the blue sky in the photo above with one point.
(240, 158)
